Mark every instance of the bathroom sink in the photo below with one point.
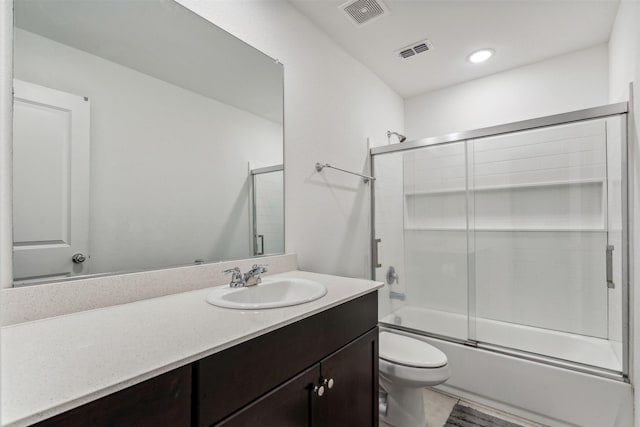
(271, 293)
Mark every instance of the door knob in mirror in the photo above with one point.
(78, 258)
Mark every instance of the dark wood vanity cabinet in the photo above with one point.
(161, 401)
(335, 392)
(321, 371)
(239, 376)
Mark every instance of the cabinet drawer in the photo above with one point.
(161, 401)
(231, 379)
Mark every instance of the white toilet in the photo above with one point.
(407, 365)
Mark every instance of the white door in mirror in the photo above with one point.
(271, 293)
(51, 137)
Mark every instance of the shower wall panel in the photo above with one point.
(435, 207)
(539, 203)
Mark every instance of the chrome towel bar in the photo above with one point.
(320, 166)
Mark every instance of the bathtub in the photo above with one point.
(561, 345)
(547, 394)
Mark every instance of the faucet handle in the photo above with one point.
(236, 277)
(261, 268)
(235, 270)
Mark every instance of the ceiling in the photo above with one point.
(520, 31)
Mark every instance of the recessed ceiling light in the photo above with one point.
(480, 55)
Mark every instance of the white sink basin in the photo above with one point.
(271, 293)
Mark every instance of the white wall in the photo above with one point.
(623, 51)
(6, 126)
(332, 104)
(6, 99)
(565, 83)
(169, 180)
(624, 67)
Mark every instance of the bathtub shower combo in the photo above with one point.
(511, 239)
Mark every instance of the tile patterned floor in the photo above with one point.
(438, 406)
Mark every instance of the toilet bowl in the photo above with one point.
(407, 365)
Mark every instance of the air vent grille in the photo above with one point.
(364, 11)
(414, 49)
(407, 53)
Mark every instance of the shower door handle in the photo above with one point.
(376, 261)
(610, 283)
(261, 239)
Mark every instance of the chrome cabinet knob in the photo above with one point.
(328, 383)
(78, 258)
(319, 390)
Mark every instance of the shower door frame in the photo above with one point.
(624, 110)
(254, 217)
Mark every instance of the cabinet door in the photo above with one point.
(161, 401)
(289, 405)
(353, 398)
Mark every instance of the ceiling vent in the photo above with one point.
(362, 12)
(414, 49)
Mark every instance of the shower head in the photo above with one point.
(401, 138)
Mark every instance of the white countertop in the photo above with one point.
(52, 365)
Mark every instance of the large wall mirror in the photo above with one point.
(144, 137)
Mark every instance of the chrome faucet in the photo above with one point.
(250, 278)
(236, 277)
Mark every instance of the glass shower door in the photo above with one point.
(420, 209)
(268, 211)
(544, 233)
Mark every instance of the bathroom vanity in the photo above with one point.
(311, 364)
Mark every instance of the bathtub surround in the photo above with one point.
(29, 303)
(536, 198)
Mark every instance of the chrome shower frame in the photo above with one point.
(622, 109)
(253, 211)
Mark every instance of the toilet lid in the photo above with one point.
(408, 351)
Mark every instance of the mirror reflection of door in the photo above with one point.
(51, 183)
(268, 210)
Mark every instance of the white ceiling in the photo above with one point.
(166, 41)
(520, 31)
